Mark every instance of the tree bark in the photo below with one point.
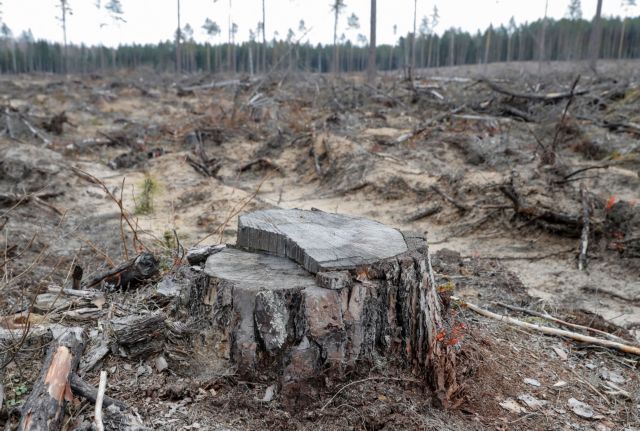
(311, 294)
(594, 43)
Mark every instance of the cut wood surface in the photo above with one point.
(317, 240)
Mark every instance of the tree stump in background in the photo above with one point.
(308, 294)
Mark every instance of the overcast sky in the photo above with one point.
(151, 21)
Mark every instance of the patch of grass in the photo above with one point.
(144, 201)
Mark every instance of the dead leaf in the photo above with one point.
(532, 382)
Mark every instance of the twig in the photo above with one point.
(124, 215)
(551, 331)
(564, 115)
(561, 322)
(584, 237)
(98, 411)
(457, 204)
(365, 380)
(434, 209)
(566, 177)
(82, 388)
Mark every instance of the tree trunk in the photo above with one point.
(371, 65)
(594, 43)
(264, 41)
(311, 294)
(178, 34)
(542, 37)
(451, 48)
(208, 58)
(621, 44)
(336, 53)
(412, 47)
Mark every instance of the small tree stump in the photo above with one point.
(310, 294)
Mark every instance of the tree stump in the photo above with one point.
(308, 294)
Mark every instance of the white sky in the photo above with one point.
(151, 21)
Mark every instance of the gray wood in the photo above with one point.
(317, 240)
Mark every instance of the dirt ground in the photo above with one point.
(187, 156)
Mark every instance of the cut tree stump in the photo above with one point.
(308, 295)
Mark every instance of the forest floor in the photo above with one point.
(451, 155)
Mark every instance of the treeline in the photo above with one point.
(565, 39)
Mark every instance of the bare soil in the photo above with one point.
(336, 144)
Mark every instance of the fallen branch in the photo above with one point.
(625, 348)
(127, 274)
(262, 162)
(561, 322)
(44, 409)
(85, 390)
(462, 207)
(584, 237)
(99, 399)
(550, 97)
(434, 209)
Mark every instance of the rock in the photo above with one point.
(581, 409)
(532, 382)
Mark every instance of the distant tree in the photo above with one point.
(264, 41)
(511, 29)
(626, 5)
(115, 14)
(353, 24)
(412, 43)
(574, 11)
(65, 10)
(188, 43)
(487, 44)
(435, 20)
(212, 29)
(595, 38)
(395, 32)
(178, 37)
(541, 39)
(336, 7)
(371, 63)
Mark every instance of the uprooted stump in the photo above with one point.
(307, 295)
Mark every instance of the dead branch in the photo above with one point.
(461, 206)
(559, 126)
(550, 97)
(262, 162)
(85, 390)
(584, 237)
(434, 209)
(44, 409)
(562, 322)
(99, 399)
(124, 214)
(127, 274)
(625, 348)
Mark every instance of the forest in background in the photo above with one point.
(543, 40)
